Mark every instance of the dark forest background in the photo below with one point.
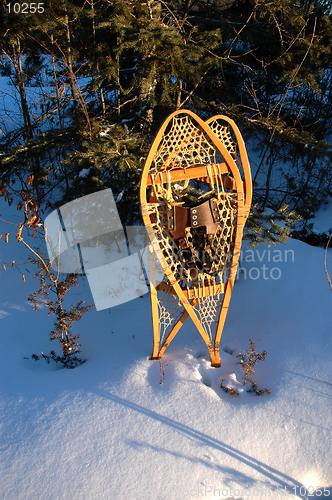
(91, 82)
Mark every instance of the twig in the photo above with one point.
(296, 71)
(41, 260)
(325, 266)
(323, 380)
(162, 365)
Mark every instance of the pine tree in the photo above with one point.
(110, 72)
(50, 285)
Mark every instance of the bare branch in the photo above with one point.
(325, 266)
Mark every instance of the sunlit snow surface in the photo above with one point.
(109, 430)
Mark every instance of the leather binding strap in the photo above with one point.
(178, 218)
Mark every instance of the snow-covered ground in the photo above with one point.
(108, 430)
(322, 222)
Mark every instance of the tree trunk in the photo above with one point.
(69, 64)
(17, 61)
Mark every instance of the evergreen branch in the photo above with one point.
(296, 71)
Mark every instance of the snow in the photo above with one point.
(84, 172)
(322, 222)
(109, 430)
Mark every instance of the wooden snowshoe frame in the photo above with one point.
(195, 192)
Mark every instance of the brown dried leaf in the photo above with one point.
(13, 263)
(4, 267)
(33, 221)
(18, 236)
(6, 237)
(23, 277)
(30, 179)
